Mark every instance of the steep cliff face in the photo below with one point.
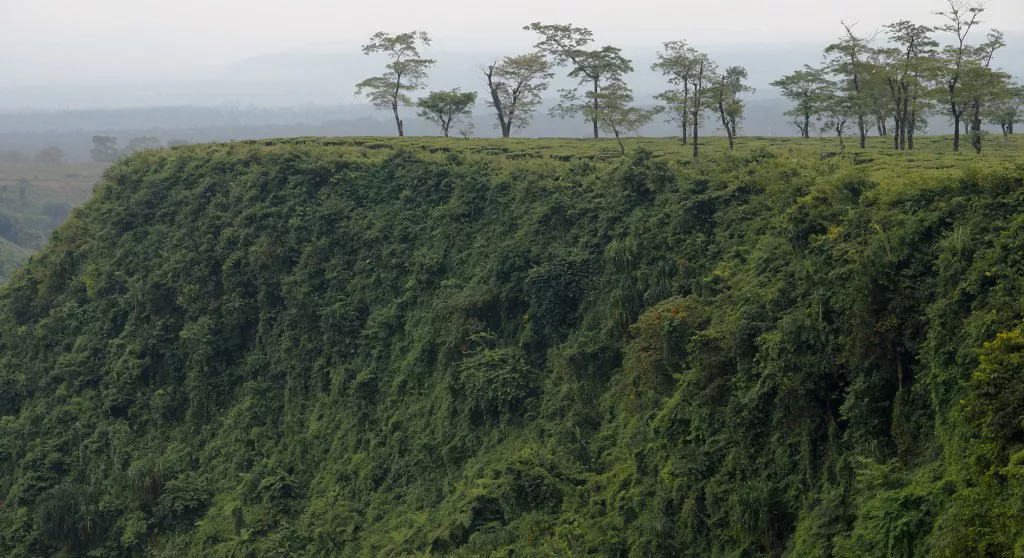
(311, 349)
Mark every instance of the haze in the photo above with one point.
(60, 42)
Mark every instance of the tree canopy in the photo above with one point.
(407, 71)
(447, 107)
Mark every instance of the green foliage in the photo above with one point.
(497, 382)
(447, 107)
(407, 71)
(516, 85)
(358, 347)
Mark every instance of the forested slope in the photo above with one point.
(316, 349)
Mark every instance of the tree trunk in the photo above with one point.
(899, 371)
(956, 133)
(863, 129)
(398, 121)
(976, 128)
(896, 132)
(597, 109)
(904, 117)
(622, 147)
(725, 124)
(1006, 135)
(911, 126)
(807, 126)
(505, 125)
(696, 126)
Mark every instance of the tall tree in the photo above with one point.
(407, 71)
(515, 84)
(961, 17)
(726, 98)
(808, 89)
(982, 84)
(595, 69)
(908, 67)
(694, 73)
(618, 114)
(848, 59)
(446, 107)
(676, 62)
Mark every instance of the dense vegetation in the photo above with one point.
(34, 200)
(374, 348)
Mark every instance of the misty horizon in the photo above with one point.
(108, 54)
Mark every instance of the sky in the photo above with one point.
(59, 42)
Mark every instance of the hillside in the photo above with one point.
(365, 347)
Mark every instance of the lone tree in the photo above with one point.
(961, 17)
(515, 84)
(809, 90)
(406, 72)
(104, 149)
(676, 62)
(848, 59)
(982, 85)
(726, 98)
(445, 107)
(595, 69)
(695, 73)
(618, 114)
(49, 156)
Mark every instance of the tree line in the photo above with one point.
(889, 82)
(891, 87)
(515, 85)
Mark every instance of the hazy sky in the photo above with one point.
(94, 42)
(95, 32)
